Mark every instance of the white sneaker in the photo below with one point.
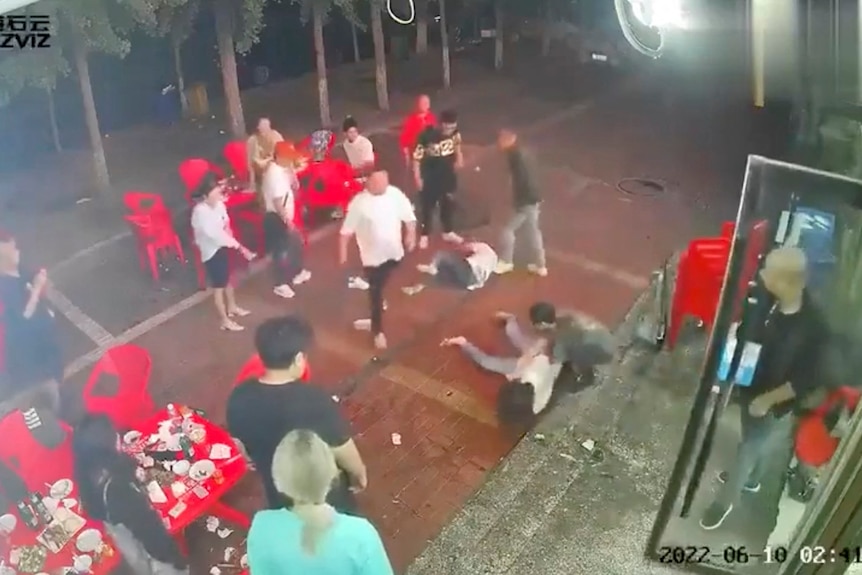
(453, 238)
(423, 243)
(231, 325)
(362, 325)
(503, 267)
(302, 277)
(284, 291)
(540, 271)
(429, 269)
(357, 282)
(238, 312)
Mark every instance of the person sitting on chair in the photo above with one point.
(358, 149)
(465, 266)
(572, 339)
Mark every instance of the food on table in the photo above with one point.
(220, 451)
(155, 492)
(160, 476)
(32, 558)
(54, 537)
(203, 469)
(132, 437)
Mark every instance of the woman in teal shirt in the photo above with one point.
(311, 538)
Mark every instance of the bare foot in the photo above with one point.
(454, 341)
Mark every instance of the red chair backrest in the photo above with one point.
(35, 463)
(143, 202)
(132, 366)
(150, 229)
(254, 368)
(193, 170)
(236, 155)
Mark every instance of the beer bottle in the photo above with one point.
(39, 508)
(26, 514)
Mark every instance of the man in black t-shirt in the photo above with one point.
(435, 162)
(32, 366)
(785, 380)
(260, 412)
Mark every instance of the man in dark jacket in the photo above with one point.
(526, 202)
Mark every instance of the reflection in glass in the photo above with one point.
(778, 386)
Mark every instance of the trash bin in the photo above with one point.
(199, 105)
(168, 108)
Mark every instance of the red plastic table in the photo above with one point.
(201, 497)
(330, 183)
(16, 437)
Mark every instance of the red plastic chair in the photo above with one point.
(33, 462)
(254, 368)
(328, 184)
(131, 365)
(699, 280)
(192, 172)
(155, 236)
(814, 445)
(236, 155)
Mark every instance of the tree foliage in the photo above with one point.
(347, 7)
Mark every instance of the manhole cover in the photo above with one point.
(641, 187)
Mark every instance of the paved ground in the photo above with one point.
(590, 131)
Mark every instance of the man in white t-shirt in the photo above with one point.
(465, 266)
(358, 148)
(383, 222)
(282, 241)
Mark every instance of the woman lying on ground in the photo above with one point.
(569, 340)
(463, 266)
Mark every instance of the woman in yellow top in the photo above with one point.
(261, 149)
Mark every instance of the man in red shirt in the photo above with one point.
(414, 124)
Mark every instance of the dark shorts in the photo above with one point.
(218, 268)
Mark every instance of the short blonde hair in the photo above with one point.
(787, 264)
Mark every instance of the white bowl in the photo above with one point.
(182, 467)
(62, 489)
(8, 523)
(88, 541)
(202, 469)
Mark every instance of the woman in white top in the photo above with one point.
(213, 236)
(466, 266)
(358, 148)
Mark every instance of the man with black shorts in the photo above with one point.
(261, 411)
(214, 240)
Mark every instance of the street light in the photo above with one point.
(659, 15)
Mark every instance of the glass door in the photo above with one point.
(770, 447)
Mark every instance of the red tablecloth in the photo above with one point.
(200, 495)
(19, 444)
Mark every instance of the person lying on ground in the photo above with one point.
(573, 340)
(463, 266)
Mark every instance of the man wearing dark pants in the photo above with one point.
(281, 239)
(382, 220)
(435, 160)
(786, 379)
(526, 199)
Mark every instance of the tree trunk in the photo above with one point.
(498, 35)
(177, 46)
(100, 166)
(444, 41)
(546, 29)
(320, 58)
(227, 59)
(355, 39)
(421, 26)
(379, 57)
(52, 118)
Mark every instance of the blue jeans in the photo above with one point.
(761, 437)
